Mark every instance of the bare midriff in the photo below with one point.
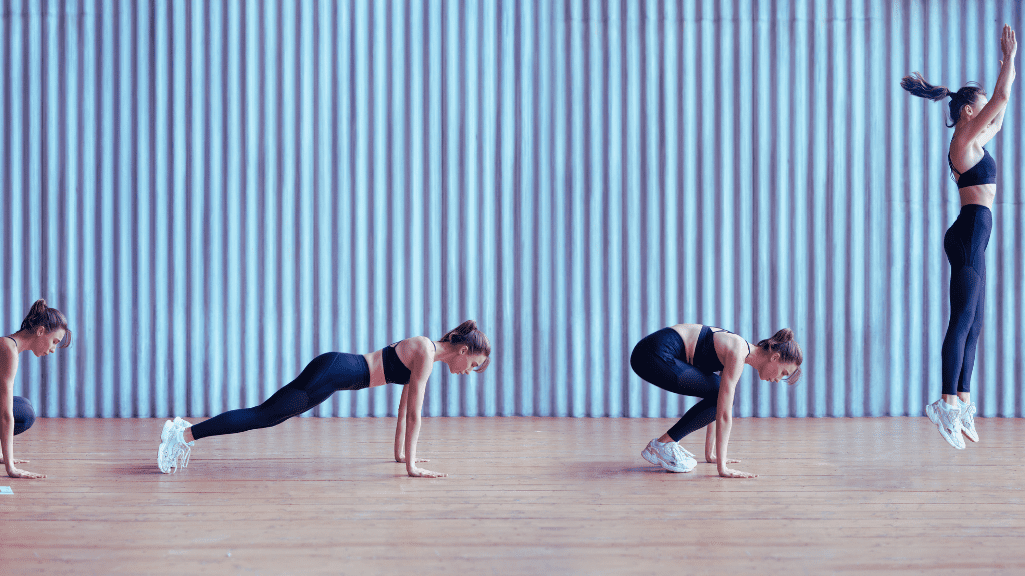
(376, 365)
(689, 333)
(983, 194)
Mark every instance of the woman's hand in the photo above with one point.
(1008, 45)
(710, 458)
(15, 473)
(728, 473)
(423, 473)
(16, 461)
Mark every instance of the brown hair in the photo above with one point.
(916, 85)
(967, 95)
(50, 319)
(789, 350)
(467, 334)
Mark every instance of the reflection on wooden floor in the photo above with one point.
(525, 496)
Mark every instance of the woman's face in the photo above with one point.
(776, 370)
(465, 362)
(977, 106)
(46, 342)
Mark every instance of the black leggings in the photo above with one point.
(660, 359)
(965, 244)
(24, 416)
(320, 379)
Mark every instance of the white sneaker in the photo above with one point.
(670, 456)
(173, 451)
(968, 419)
(948, 419)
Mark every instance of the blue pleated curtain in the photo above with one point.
(215, 192)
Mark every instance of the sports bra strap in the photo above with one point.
(735, 334)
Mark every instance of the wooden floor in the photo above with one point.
(525, 496)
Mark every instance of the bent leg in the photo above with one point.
(700, 415)
(24, 415)
(655, 359)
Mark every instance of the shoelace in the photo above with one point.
(968, 417)
(180, 451)
(955, 422)
(681, 452)
(184, 452)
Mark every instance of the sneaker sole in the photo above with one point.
(647, 455)
(671, 468)
(667, 466)
(160, 458)
(933, 415)
(949, 437)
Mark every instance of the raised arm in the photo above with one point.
(733, 366)
(985, 125)
(420, 371)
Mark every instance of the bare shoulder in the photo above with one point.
(418, 348)
(8, 358)
(689, 332)
(732, 346)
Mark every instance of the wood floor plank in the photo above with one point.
(525, 496)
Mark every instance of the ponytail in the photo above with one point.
(467, 334)
(917, 86)
(51, 319)
(783, 343)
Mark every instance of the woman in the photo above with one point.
(683, 359)
(407, 362)
(41, 331)
(975, 121)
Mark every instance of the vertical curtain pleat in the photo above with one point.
(214, 193)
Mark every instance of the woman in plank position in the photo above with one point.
(42, 330)
(684, 359)
(408, 362)
(975, 120)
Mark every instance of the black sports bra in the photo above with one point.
(395, 372)
(984, 172)
(705, 358)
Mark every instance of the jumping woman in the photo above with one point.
(684, 359)
(41, 332)
(408, 362)
(975, 121)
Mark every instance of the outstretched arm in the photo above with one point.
(400, 429)
(710, 445)
(420, 370)
(733, 366)
(8, 367)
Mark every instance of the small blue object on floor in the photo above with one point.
(6, 490)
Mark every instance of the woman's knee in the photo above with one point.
(24, 415)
